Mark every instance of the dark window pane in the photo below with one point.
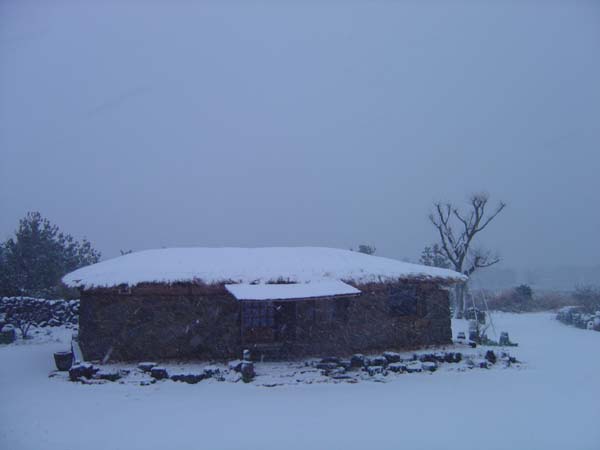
(403, 302)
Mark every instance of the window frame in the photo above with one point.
(405, 302)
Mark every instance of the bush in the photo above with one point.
(523, 299)
(588, 297)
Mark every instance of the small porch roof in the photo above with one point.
(293, 291)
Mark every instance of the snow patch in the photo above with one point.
(290, 291)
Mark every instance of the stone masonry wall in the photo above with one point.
(203, 322)
(42, 312)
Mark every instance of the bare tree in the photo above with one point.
(24, 321)
(457, 231)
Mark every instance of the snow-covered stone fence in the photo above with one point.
(40, 312)
(576, 316)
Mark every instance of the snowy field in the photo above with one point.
(551, 402)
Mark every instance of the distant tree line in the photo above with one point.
(524, 299)
(34, 260)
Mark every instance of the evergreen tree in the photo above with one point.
(366, 249)
(524, 293)
(34, 261)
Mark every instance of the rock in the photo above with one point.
(392, 357)
(427, 357)
(211, 371)
(236, 365)
(449, 357)
(491, 356)
(440, 357)
(159, 373)
(146, 366)
(346, 364)
(326, 366)
(108, 375)
(504, 340)
(54, 323)
(374, 370)
(189, 378)
(82, 370)
(430, 366)
(414, 366)
(7, 334)
(397, 367)
(484, 365)
(247, 371)
(378, 361)
(357, 360)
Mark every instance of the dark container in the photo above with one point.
(63, 360)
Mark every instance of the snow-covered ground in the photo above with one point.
(552, 402)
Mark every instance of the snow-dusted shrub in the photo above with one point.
(588, 297)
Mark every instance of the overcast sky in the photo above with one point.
(253, 123)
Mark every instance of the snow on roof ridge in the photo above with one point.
(249, 265)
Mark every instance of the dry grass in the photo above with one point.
(508, 301)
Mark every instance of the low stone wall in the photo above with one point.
(204, 322)
(41, 312)
(576, 316)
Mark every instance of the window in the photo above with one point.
(256, 315)
(403, 302)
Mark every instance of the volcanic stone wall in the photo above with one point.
(159, 322)
(40, 312)
(190, 321)
(368, 323)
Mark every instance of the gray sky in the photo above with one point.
(147, 124)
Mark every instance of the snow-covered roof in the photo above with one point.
(249, 265)
(329, 288)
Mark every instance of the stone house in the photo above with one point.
(212, 303)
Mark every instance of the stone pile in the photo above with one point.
(339, 368)
(577, 316)
(145, 373)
